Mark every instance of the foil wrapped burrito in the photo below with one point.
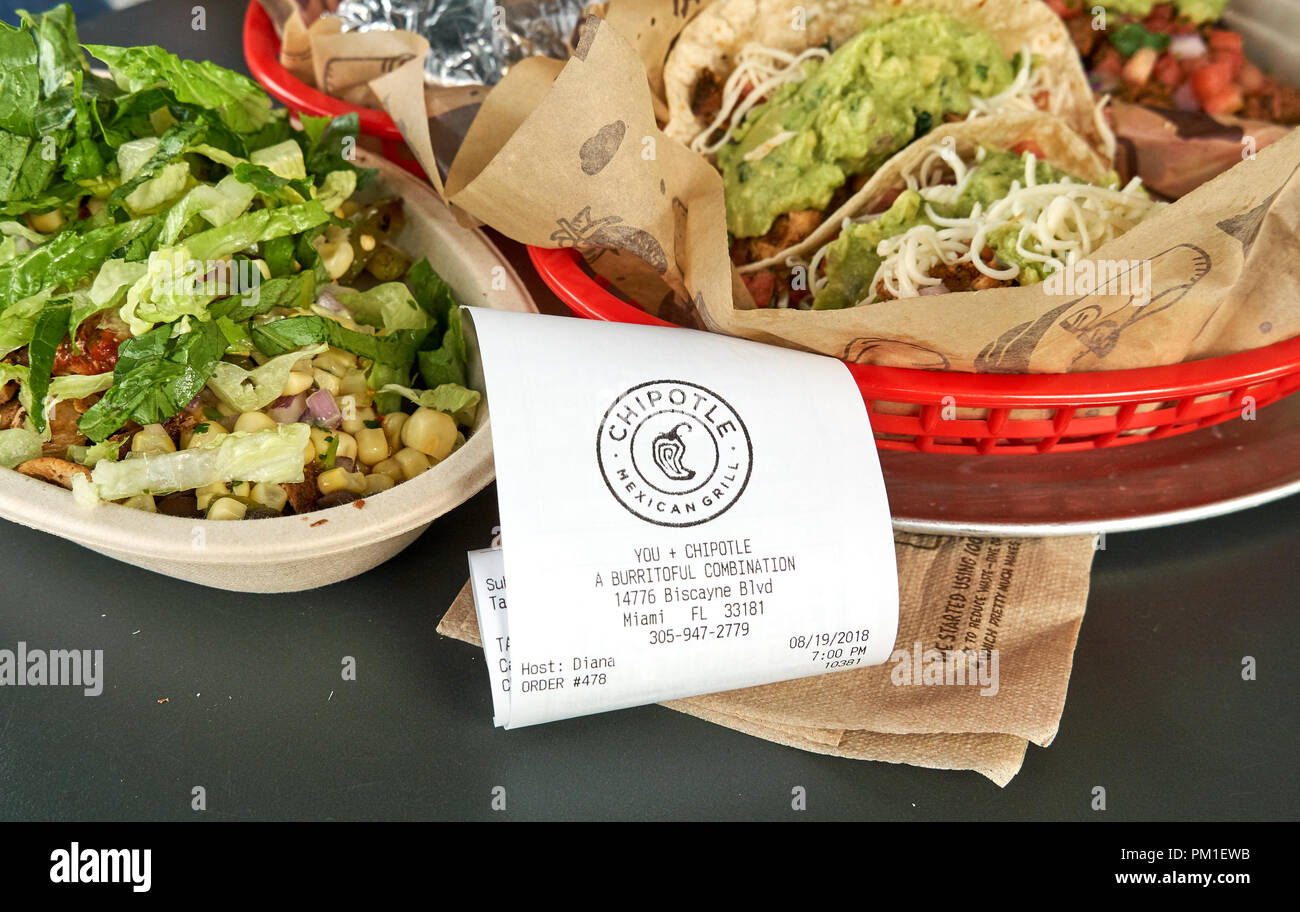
(472, 41)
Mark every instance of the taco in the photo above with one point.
(799, 104)
(1007, 200)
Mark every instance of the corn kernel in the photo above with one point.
(354, 384)
(335, 361)
(227, 508)
(431, 432)
(320, 440)
(298, 382)
(346, 447)
(271, 496)
(372, 446)
(46, 222)
(390, 467)
(326, 381)
(367, 242)
(152, 440)
(255, 421)
(393, 422)
(336, 258)
(341, 480)
(141, 502)
(202, 434)
(206, 494)
(377, 482)
(412, 461)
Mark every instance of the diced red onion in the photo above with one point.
(287, 409)
(1184, 98)
(343, 462)
(323, 410)
(934, 290)
(330, 304)
(1187, 46)
(1103, 82)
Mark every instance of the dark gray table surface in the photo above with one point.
(257, 714)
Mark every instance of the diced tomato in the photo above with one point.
(887, 199)
(1027, 145)
(1108, 61)
(1211, 79)
(1224, 101)
(1234, 60)
(1066, 9)
(96, 353)
(761, 287)
(1223, 40)
(1251, 78)
(1167, 71)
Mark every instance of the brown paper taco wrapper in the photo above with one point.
(1022, 597)
(572, 155)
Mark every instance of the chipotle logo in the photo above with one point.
(674, 453)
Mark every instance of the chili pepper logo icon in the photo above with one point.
(668, 450)
(674, 453)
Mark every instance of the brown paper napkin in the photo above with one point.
(1019, 600)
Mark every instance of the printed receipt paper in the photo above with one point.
(681, 513)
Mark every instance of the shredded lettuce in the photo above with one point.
(240, 101)
(248, 390)
(273, 456)
(17, 445)
(218, 204)
(389, 307)
(254, 227)
(336, 188)
(90, 456)
(457, 401)
(283, 159)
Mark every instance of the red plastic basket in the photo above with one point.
(956, 412)
(262, 52)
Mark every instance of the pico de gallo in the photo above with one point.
(1174, 55)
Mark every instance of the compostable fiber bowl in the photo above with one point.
(292, 553)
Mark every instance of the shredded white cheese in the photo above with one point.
(1059, 223)
(760, 151)
(1028, 82)
(765, 69)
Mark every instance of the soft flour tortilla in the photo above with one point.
(1061, 147)
(714, 38)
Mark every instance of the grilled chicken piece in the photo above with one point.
(788, 229)
(63, 425)
(56, 471)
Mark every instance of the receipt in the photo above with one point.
(681, 513)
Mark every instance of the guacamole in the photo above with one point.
(1197, 11)
(852, 261)
(870, 98)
